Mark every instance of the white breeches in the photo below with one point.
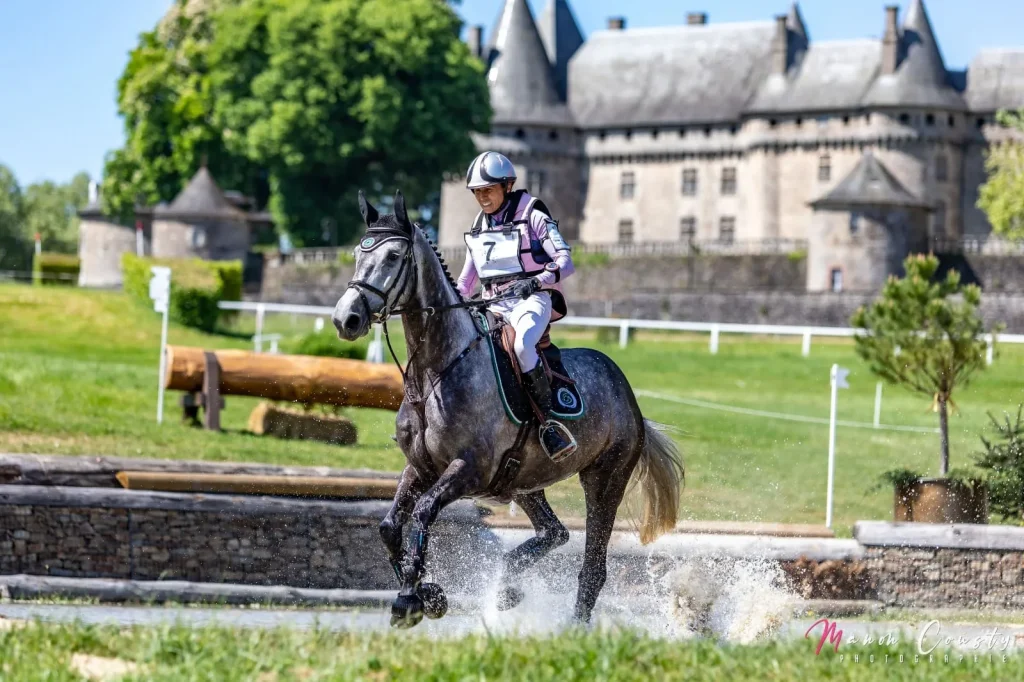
(529, 318)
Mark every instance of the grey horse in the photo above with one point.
(452, 427)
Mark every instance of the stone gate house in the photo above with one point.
(749, 135)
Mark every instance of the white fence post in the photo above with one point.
(806, 350)
(260, 312)
(713, 344)
(624, 334)
(878, 405)
(989, 341)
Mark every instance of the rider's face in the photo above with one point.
(490, 198)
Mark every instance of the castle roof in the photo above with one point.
(995, 80)
(521, 79)
(562, 37)
(869, 185)
(680, 74)
(921, 78)
(201, 198)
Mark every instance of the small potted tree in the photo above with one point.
(927, 336)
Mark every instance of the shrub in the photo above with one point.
(55, 268)
(197, 286)
(1003, 461)
(595, 259)
(326, 344)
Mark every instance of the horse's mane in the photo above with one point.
(440, 259)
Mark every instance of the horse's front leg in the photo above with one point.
(410, 489)
(459, 479)
(551, 534)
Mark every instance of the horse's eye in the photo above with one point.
(392, 257)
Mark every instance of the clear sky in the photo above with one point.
(60, 59)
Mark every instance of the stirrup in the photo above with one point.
(559, 428)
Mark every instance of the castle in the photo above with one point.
(746, 136)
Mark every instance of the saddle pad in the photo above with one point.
(566, 401)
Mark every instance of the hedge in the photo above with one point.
(55, 268)
(197, 286)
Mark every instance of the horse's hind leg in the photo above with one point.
(604, 485)
(410, 488)
(459, 479)
(551, 534)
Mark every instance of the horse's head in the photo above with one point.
(385, 274)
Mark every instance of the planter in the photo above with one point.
(940, 500)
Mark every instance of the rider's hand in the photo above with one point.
(526, 288)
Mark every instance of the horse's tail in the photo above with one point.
(660, 474)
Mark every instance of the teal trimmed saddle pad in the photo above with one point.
(566, 401)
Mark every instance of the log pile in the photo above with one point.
(268, 419)
(294, 378)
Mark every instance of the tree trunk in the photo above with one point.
(943, 436)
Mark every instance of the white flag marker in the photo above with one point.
(160, 292)
(838, 380)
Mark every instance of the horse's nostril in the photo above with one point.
(351, 323)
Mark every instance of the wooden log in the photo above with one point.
(309, 486)
(780, 530)
(297, 378)
(268, 419)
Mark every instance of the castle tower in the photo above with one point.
(101, 243)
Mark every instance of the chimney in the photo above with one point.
(93, 194)
(616, 23)
(780, 46)
(696, 18)
(476, 40)
(890, 41)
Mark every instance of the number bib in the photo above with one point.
(495, 253)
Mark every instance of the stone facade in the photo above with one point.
(706, 155)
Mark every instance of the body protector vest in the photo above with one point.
(509, 250)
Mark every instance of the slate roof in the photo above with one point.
(683, 74)
(521, 79)
(869, 185)
(201, 198)
(921, 78)
(562, 37)
(995, 80)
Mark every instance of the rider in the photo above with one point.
(515, 248)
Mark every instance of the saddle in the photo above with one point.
(566, 401)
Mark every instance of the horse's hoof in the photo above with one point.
(435, 603)
(509, 597)
(406, 611)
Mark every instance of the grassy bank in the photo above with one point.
(52, 652)
(78, 375)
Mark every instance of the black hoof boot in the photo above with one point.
(510, 597)
(435, 603)
(406, 611)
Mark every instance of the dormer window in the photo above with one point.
(905, 119)
(929, 119)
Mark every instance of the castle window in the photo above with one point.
(799, 122)
(707, 132)
(981, 123)
(520, 133)
(772, 123)
(689, 182)
(951, 120)
(625, 231)
(846, 120)
(687, 228)
(654, 134)
(629, 134)
(727, 230)
(941, 168)
(905, 118)
(824, 168)
(627, 188)
(536, 182)
(939, 220)
(553, 135)
(854, 223)
(732, 129)
(729, 180)
(929, 119)
(682, 132)
(836, 280)
(601, 135)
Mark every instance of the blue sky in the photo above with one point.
(60, 59)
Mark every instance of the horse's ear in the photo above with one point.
(401, 213)
(370, 215)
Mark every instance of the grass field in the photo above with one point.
(51, 652)
(78, 375)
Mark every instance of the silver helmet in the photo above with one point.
(490, 168)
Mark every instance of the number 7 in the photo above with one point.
(490, 247)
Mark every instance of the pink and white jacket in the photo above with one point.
(543, 252)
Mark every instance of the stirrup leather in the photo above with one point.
(566, 436)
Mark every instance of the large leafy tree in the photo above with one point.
(314, 98)
(51, 211)
(15, 242)
(1002, 195)
(925, 335)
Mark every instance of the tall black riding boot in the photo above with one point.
(556, 440)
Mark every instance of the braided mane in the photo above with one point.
(440, 259)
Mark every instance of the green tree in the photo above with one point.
(309, 99)
(51, 211)
(1003, 461)
(1002, 195)
(925, 335)
(15, 242)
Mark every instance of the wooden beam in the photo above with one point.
(781, 530)
(308, 486)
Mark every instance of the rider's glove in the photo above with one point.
(526, 288)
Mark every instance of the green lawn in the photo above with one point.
(37, 652)
(78, 375)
